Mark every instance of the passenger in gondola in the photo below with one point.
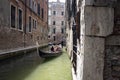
(52, 48)
(62, 44)
(59, 47)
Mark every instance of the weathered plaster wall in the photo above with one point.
(69, 39)
(58, 7)
(98, 51)
(96, 24)
(93, 58)
(99, 20)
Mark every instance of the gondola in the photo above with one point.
(48, 54)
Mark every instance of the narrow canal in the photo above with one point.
(32, 67)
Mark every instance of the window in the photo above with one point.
(35, 7)
(30, 28)
(53, 4)
(53, 22)
(13, 16)
(20, 19)
(37, 37)
(62, 13)
(35, 24)
(62, 30)
(30, 4)
(62, 22)
(54, 31)
(39, 9)
(41, 29)
(54, 38)
(54, 12)
(42, 13)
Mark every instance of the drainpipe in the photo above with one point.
(25, 22)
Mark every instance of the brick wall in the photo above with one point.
(14, 38)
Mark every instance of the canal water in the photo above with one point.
(32, 67)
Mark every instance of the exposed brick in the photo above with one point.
(14, 38)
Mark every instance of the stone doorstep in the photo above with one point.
(10, 53)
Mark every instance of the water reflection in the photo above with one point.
(17, 68)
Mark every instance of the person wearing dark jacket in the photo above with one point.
(52, 48)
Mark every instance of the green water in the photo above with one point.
(32, 67)
(53, 69)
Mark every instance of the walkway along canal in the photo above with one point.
(32, 67)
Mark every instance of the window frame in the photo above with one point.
(38, 9)
(35, 23)
(62, 30)
(62, 13)
(54, 12)
(29, 24)
(42, 14)
(30, 4)
(18, 19)
(11, 4)
(54, 23)
(54, 38)
(62, 23)
(54, 30)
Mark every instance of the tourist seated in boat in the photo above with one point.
(52, 48)
(59, 47)
(56, 48)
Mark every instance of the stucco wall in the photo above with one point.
(58, 7)
(96, 24)
(93, 58)
(99, 20)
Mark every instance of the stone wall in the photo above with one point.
(112, 49)
(96, 24)
(112, 58)
(98, 51)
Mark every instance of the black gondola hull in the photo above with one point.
(49, 54)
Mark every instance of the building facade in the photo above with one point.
(94, 38)
(23, 23)
(57, 21)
